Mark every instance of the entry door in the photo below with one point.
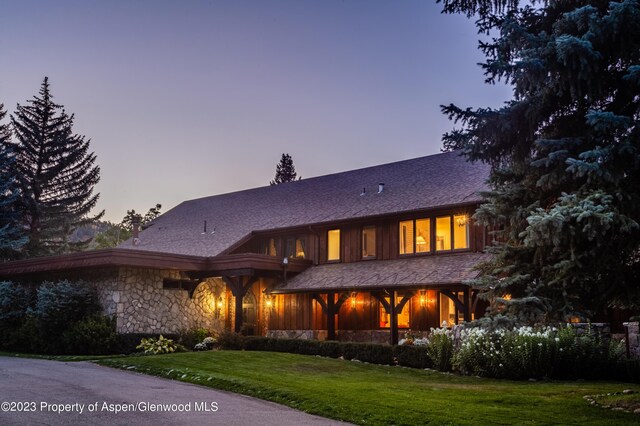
(249, 314)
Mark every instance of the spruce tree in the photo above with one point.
(285, 171)
(565, 155)
(11, 234)
(56, 173)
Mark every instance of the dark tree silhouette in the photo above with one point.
(565, 155)
(285, 171)
(56, 175)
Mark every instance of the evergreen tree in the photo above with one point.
(285, 171)
(565, 155)
(116, 233)
(11, 235)
(56, 174)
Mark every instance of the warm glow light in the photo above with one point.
(507, 297)
(423, 298)
(420, 240)
(461, 220)
(268, 301)
(220, 302)
(353, 300)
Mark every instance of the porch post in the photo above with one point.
(331, 317)
(239, 286)
(393, 317)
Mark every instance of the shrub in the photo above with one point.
(413, 356)
(95, 335)
(192, 336)
(368, 352)
(59, 306)
(15, 299)
(440, 348)
(330, 348)
(161, 345)
(126, 343)
(230, 340)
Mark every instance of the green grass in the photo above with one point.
(382, 395)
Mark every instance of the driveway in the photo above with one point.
(34, 391)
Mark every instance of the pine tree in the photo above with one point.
(285, 171)
(11, 234)
(565, 155)
(56, 174)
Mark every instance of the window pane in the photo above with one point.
(333, 244)
(289, 250)
(443, 233)
(461, 231)
(268, 247)
(403, 319)
(300, 254)
(423, 239)
(368, 241)
(406, 237)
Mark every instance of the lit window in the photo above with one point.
(406, 237)
(460, 232)
(443, 233)
(423, 237)
(268, 247)
(368, 242)
(295, 248)
(449, 314)
(403, 318)
(333, 244)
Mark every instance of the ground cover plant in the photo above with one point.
(375, 394)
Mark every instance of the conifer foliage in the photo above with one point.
(285, 171)
(11, 235)
(56, 175)
(565, 154)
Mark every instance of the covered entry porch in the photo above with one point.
(375, 300)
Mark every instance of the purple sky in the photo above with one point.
(184, 99)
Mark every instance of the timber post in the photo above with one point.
(239, 286)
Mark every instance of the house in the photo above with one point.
(358, 255)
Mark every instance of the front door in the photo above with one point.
(249, 314)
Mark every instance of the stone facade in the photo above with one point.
(141, 304)
(632, 339)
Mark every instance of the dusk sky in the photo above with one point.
(185, 99)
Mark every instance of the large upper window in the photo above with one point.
(369, 242)
(333, 244)
(451, 232)
(415, 236)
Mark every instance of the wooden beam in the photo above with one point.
(331, 318)
(407, 296)
(239, 285)
(321, 302)
(461, 306)
(393, 318)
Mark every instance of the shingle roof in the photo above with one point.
(422, 183)
(434, 270)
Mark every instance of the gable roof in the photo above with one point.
(423, 183)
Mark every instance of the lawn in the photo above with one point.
(383, 395)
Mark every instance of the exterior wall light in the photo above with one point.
(423, 298)
(353, 300)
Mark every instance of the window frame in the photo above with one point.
(432, 234)
(339, 259)
(375, 242)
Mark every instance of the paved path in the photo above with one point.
(43, 385)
